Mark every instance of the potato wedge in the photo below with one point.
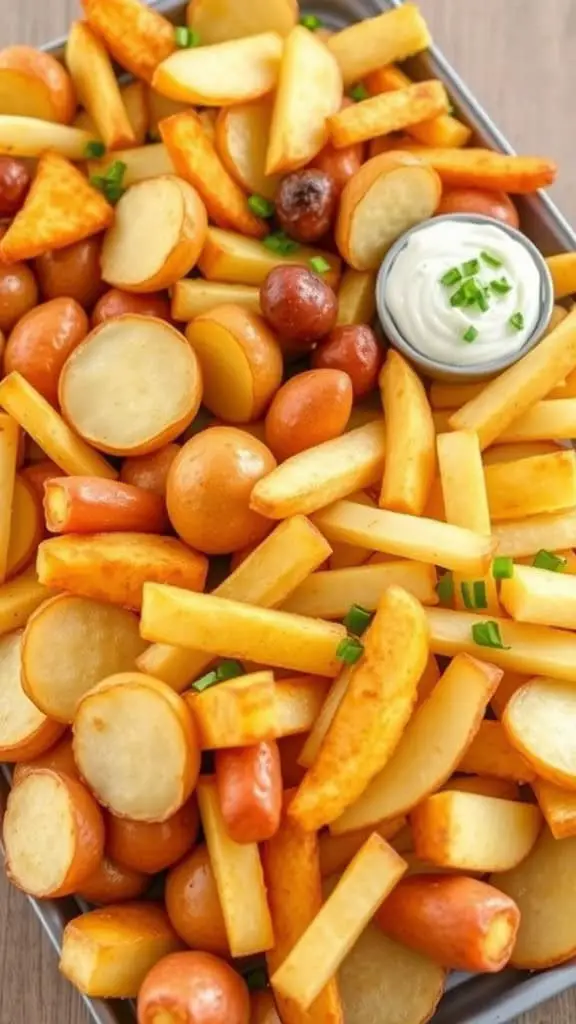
(26, 527)
(19, 598)
(242, 133)
(34, 84)
(193, 297)
(443, 130)
(238, 260)
(25, 731)
(520, 538)
(345, 556)
(59, 667)
(107, 953)
(138, 37)
(239, 879)
(356, 297)
(31, 137)
(60, 208)
(9, 443)
(330, 594)
(248, 68)
(309, 91)
(372, 715)
(56, 814)
(410, 459)
(558, 807)
(483, 168)
(237, 713)
(367, 45)
(141, 163)
(298, 701)
(334, 698)
(135, 99)
(388, 112)
(389, 194)
(539, 722)
(540, 596)
(543, 483)
(97, 86)
(430, 748)
(135, 361)
(219, 20)
(118, 719)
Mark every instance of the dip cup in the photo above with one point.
(473, 371)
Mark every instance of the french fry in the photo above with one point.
(192, 297)
(424, 540)
(30, 137)
(540, 596)
(41, 421)
(428, 680)
(19, 598)
(563, 270)
(372, 715)
(297, 703)
(334, 697)
(544, 483)
(97, 86)
(9, 442)
(138, 37)
(336, 852)
(484, 785)
(329, 595)
(330, 936)
(441, 131)
(510, 682)
(60, 208)
(141, 163)
(356, 297)
(236, 713)
(491, 753)
(483, 168)
(266, 577)
(522, 537)
(135, 99)
(367, 45)
(551, 418)
(232, 257)
(410, 459)
(388, 112)
(558, 807)
(539, 722)
(520, 450)
(197, 161)
(430, 748)
(471, 832)
(511, 394)
(345, 556)
(248, 68)
(313, 478)
(222, 627)
(239, 879)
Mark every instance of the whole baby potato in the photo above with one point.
(300, 307)
(41, 342)
(476, 200)
(150, 472)
(353, 348)
(18, 294)
(308, 409)
(193, 988)
(116, 302)
(73, 272)
(209, 487)
(193, 904)
(306, 203)
(14, 184)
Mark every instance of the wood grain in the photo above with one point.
(517, 57)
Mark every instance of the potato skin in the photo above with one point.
(355, 350)
(308, 409)
(72, 272)
(14, 184)
(340, 164)
(198, 987)
(18, 294)
(150, 847)
(193, 904)
(150, 472)
(476, 200)
(249, 784)
(41, 342)
(113, 883)
(298, 305)
(116, 302)
(306, 204)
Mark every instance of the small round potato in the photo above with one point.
(193, 904)
(153, 846)
(193, 988)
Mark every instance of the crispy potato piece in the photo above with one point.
(483, 168)
(60, 208)
(520, 450)
(372, 715)
(491, 753)
(356, 297)
(242, 133)
(309, 91)
(428, 680)
(232, 257)
(222, 627)
(330, 594)
(239, 879)
(442, 131)
(563, 270)
(34, 84)
(298, 701)
(108, 953)
(543, 887)
(430, 748)
(424, 540)
(19, 598)
(135, 100)
(193, 297)
(345, 556)
(141, 163)
(266, 577)
(388, 112)
(334, 697)
(31, 137)
(540, 596)
(558, 807)
(236, 713)
(97, 86)
(26, 527)
(367, 45)
(138, 37)
(484, 785)
(248, 68)
(196, 160)
(336, 852)
(219, 20)
(9, 442)
(539, 721)
(331, 934)
(410, 459)
(551, 418)
(522, 537)
(160, 107)
(25, 731)
(543, 483)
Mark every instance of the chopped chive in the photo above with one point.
(94, 150)
(491, 261)
(517, 321)
(319, 264)
(185, 38)
(357, 620)
(458, 298)
(350, 650)
(256, 978)
(474, 595)
(501, 286)
(466, 591)
(311, 21)
(487, 634)
(470, 267)
(228, 669)
(451, 277)
(503, 568)
(548, 560)
(445, 587)
(470, 334)
(358, 93)
(261, 206)
(110, 183)
(482, 301)
(279, 242)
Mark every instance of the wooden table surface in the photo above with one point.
(517, 57)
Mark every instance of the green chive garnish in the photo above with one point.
(357, 620)
(256, 979)
(94, 150)
(350, 650)
(261, 206)
(358, 93)
(548, 560)
(470, 334)
(503, 568)
(451, 277)
(482, 300)
(110, 183)
(279, 242)
(501, 286)
(228, 669)
(445, 587)
(490, 261)
(458, 298)
(311, 22)
(185, 38)
(474, 594)
(487, 634)
(319, 264)
(470, 267)
(517, 321)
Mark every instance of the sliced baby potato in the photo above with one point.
(19, 598)
(141, 163)
(389, 194)
(116, 722)
(34, 84)
(26, 526)
(137, 363)
(59, 758)
(97, 86)
(69, 645)
(25, 731)
(228, 256)
(242, 135)
(192, 297)
(540, 719)
(137, 36)
(53, 834)
(219, 20)
(247, 68)
(158, 233)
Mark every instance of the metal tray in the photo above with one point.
(481, 999)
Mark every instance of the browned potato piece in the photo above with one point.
(25, 731)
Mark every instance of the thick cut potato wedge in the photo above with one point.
(334, 698)
(242, 135)
(134, 362)
(336, 852)
(193, 297)
(483, 168)
(141, 163)
(226, 628)
(238, 713)
(61, 208)
(26, 527)
(19, 598)
(389, 194)
(309, 91)
(9, 444)
(107, 953)
(219, 20)
(410, 460)
(115, 722)
(541, 596)
(443, 130)
(388, 112)
(539, 721)
(34, 84)
(356, 297)
(53, 834)
(313, 478)
(372, 715)
(239, 879)
(69, 645)
(97, 87)
(558, 807)
(563, 270)
(430, 747)
(31, 137)
(25, 731)
(138, 37)
(247, 68)
(543, 483)
(238, 260)
(367, 45)
(471, 832)
(298, 701)
(491, 753)
(543, 886)
(330, 594)
(521, 538)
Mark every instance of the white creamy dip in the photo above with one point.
(454, 315)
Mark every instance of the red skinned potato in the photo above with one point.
(476, 200)
(341, 164)
(152, 846)
(249, 782)
(116, 302)
(355, 350)
(113, 883)
(306, 204)
(41, 342)
(150, 472)
(193, 904)
(34, 84)
(308, 409)
(72, 272)
(18, 293)
(193, 988)
(14, 184)
(299, 306)
(84, 504)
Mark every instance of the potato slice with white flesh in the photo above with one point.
(372, 715)
(491, 753)
(430, 747)
(141, 163)
(370, 44)
(471, 832)
(247, 68)
(33, 83)
(410, 461)
(330, 594)
(242, 135)
(53, 834)
(334, 698)
(69, 645)
(117, 721)
(192, 297)
(19, 598)
(219, 20)
(540, 721)
(540, 596)
(28, 136)
(237, 713)
(330, 936)
(137, 363)
(228, 256)
(157, 235)
(309, 92)
(25, 731)
(389, 194)
(544, 887)
(543, 483)
(97, 86)
(356, 297)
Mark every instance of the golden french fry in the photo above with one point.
(430, 748)
(558, 807)
(539, 721)
(329, 595)
(9, 442)
(232, 257)
(517, 450)
(410, 459)
(388, 112)
(19, 598)
(563, 270)
(551, 418)
(487, 169)
(192, 297)
(237, 713)
(336, 852)
(298, 701)
(540, 596)
(356, 297)
(97, 86)
(522, 537)
(141, 163)
(543, 483)
(443, 130)
(367, 45)
(135, 99)
(344, 556)
(491, 753)
(314, 741)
